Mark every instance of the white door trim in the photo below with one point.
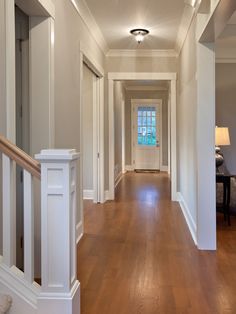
(98, 131)
(142, 76)
(123, 134)
(135, 102)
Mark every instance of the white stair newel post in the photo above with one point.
(60, 287)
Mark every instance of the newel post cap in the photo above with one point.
(57, 154)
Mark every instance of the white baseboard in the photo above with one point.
(79, 231)
(88, 194)
(188, 217)
(118, 179)
(107, 195)
(129, 168)
(164, 168)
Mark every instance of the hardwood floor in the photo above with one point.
(137, 256)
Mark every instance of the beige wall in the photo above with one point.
(186, 122)
(141, 64)
(118, 99)
(129, 95)
(226, 109)
(87, 128)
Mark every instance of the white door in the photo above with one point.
(146, 136)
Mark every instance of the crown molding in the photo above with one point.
(186, 21)
(141, 53)
(86, 15)
(145, 88)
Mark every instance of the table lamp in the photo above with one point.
(221, 139)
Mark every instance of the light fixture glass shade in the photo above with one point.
(139, 34)
(222, 136)
(139, 38)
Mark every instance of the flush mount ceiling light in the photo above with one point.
(139, 34)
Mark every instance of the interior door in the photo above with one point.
(146, 136)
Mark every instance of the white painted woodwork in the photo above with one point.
(28, 227)
(144, 156)
(206, 192)
(95, 128)
(9, 212)
(123, 134)
(58, 230)
(173, 139)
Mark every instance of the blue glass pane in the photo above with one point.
(146, 126)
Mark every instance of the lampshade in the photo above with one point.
(222, 136)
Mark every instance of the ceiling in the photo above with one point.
(116, 18)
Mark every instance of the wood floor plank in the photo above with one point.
(137, 256)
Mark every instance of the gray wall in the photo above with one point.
(69, 31)
(226, 109)
(129, 95)
(87, 128)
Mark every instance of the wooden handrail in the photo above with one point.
(20, 157)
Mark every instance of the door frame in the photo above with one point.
(122, 76)
(134, 103)
(98, 131)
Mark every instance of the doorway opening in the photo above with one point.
(225, 114)
(91, 164)
(137, 140)
(90, 135)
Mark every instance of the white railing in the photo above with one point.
(59, 291)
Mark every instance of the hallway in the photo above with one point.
(137, 256)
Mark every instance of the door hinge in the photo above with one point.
(21, 111)
(21, 242)
(98, 155)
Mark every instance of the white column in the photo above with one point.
(205, 150)
(60, 287)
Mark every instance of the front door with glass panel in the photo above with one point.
(146, 136)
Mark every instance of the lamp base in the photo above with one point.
(219, 158)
